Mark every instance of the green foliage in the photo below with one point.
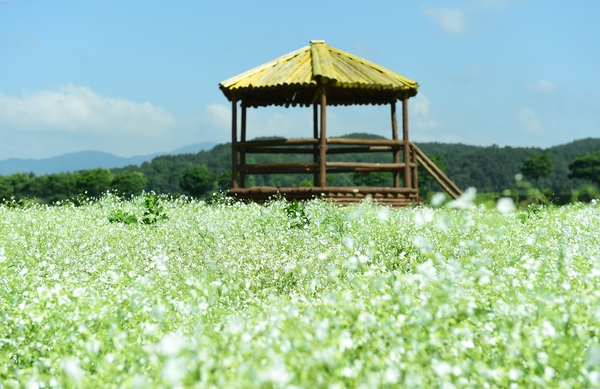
(586, 166)
(197, 180)
(427, 185)
(120, 216)
(372, 179)
(224, 181)
(492, 169)
(129, 184)
(539, 165)
(94, 182)
(489, 169)
(306, 182)
(6, 189)
(153, 212)
(296, 214)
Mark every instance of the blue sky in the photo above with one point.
(137, 77)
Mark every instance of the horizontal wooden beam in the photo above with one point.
(281, 171)
(283, 167)
(279, 142)
(355, 170)
(277, 150)
(368, 149)
(369, 165)
(313, 141)
(319, 190)
(365, 142)
(333, 150)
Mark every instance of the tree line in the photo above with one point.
(490, 169)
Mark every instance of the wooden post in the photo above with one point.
(415, 169)
(234, 180)
(395, 137)
(323, 140)
(407, 181)
(242, 152)
(316, 136)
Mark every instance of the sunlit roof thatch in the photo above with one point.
(293, 79)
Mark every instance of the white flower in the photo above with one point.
(424, 217)
(514, 374)
(384, 214)
(465, 200)
(72, 369)
(438, 199)
(505, 205)
(427, 269)
(348, 242)
(174, 370)
(423, 243)
(278, 374)
(346, 341)
(172, 343)
(391, 375)
(441, 368)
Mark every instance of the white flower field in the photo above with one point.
(299, 296)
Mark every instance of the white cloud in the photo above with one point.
(456, 20)
(263, 121)
(450, 20)
(419, 113)
(218, 116)
(74, 118)
(528, 121)
(76, 109)
(540, 86)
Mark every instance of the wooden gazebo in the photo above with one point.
(320, 75)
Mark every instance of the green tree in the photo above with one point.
(427, 185)
(372, 179)
(6, 189)
(62, 186)
(197, 180)
(587, 167)
(224, 181)
(19, 183)
(537, 166)
(129, 183)
(94, 181)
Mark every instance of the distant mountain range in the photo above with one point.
(84, 160)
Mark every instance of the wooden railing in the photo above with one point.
(444, 182)
(341, 146)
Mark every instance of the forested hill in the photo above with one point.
(489, 169)
(493, 169)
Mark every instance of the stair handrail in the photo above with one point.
(436, 173)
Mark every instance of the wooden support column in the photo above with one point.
(395, 137)
(234, 162)
(407, 180)
(242, 152)
(323, 140)
(316, 136)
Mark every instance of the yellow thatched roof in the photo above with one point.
(293, 79)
